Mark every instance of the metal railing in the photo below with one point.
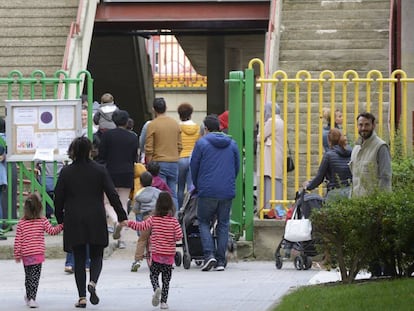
(302, 99)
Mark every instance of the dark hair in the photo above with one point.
(146, 179)
(120, 117)
(130, 124)
(32, 207)
(2, 125)
(84, 98)
(153, 168)
(185, 110)
(159, 105)
(164, 205)
(80, 149)
(367, 115)
(212, 123)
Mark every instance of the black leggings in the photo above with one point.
(31, 282)
(79, 255)
(166, 271)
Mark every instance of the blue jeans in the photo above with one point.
(139, 217)
(184, 178)
(209, 210)
(70, 261)
(169, 173)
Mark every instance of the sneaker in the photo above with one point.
(121, 245)
(26, 300)
(68, 269)
(136, 265)
(117, 232)
(164, 306)
(219, 267)
(208, 264)
(33, 304)
(156, 297)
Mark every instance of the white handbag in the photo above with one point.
(298, 230)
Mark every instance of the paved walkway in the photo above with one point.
(244, 286)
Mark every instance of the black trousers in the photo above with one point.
(31, 282)
(166, 272)
(95, 268)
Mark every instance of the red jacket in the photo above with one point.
(165, 231)
(30, 237)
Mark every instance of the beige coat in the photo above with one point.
(277, 145)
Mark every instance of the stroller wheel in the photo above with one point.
(177, 259)
(308, 263)
(279, 262)
(187, 261)
(298, 263)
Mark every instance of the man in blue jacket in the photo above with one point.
(214, 166)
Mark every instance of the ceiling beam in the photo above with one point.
(189, 15)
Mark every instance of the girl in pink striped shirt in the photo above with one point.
(29, 244)
(165, 232)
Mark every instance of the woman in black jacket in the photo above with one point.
(79, 196)
(334, 167)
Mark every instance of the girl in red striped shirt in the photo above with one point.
(165, 232)
(29, 244)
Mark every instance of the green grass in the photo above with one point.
(366, 296)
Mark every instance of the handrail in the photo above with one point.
(75, 29)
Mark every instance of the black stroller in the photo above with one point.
(192, 248)
(305, 250)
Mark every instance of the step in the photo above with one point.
(334, 34)
(34, 50)
(33, 42)
(332, 14)
(320, 24)
(35, 31)
(27, 70)
(36, 21)
(33, 61)
(335, 5)
(38, 4)
(355, 44)
(334, 54)
(320, 65)
(39, 12)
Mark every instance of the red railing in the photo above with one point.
(74, 30)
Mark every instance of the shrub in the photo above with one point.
(374, 230)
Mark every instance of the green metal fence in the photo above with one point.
(38, 86)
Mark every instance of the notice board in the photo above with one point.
(41, 129)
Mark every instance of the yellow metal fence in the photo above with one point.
(302, 100)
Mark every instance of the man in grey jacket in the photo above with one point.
(371, 169)
(370, 159)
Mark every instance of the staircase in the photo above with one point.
(337, 35)
(33, 36)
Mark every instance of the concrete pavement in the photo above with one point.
(244, 286)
